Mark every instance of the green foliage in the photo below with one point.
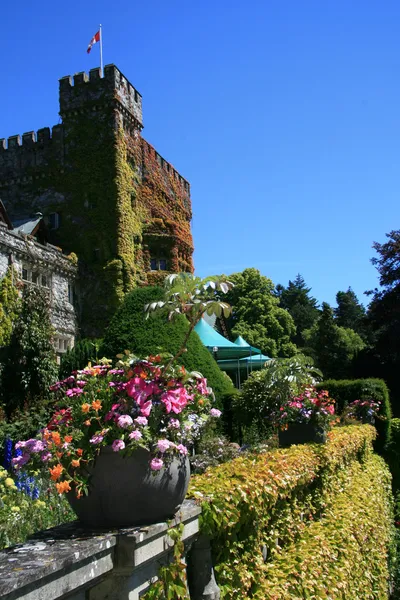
(257, 316)
(30, 363)
(266, 390)
(349, 312)
(332, 347)
(346, 391)
(79, 356)
(268, 504)
(22, 516)
(302, 307)
(9, 305)
(129, 330)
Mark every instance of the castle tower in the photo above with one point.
(107, 194)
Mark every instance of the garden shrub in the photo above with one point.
(129, 330)
(79, 356)
(260, 508)
(345, 391)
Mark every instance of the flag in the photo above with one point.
(95, 38)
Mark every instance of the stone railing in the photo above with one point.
(78, 564)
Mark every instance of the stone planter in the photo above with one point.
(124, 492)
(301, 433)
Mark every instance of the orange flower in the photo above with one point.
(59, 454)
(85, 407)
(47, 434)
(87, 423)
(56, 471)
(68, 439)
(55, 436)
(96, 405)
(79, 451)
(63, 487)
(75, 463)
(143, 375)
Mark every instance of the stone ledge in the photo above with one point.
(60, 562)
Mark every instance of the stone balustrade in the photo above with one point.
(69, 562)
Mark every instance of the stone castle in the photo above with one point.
(105, 193)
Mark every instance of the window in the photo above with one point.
(62, 344)
(34, 276)
(71, 293)
(158, 264)
(54, 220)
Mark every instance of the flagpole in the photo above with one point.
(101, 52)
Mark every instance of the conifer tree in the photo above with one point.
(302, 307)
(349, 312)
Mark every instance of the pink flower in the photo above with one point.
(202, 386)
(214, 412)
(330, 409)
(124, 421)
(163, 445)
(45, 456)
(141, 420)
(182, 449)
(156, 464)
(74, 392)
(145, 408)
(118, 445)
(175, 400)
(110, 415)
(135, 435)
(174, 423)
(96, 439)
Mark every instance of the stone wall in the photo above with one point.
(49, 268)
(120, 206)
(72, 563)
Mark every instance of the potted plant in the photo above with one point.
(364, 410)
(118, 442)
(305, 418)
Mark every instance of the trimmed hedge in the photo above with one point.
(129, 330)
(346, 391)
(265, 514)
(79, 356)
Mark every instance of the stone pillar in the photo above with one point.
(202, 584)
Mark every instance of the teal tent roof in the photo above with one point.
(212, 339)
(256, 361)
(242, 342)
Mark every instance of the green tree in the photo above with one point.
(30, 362)
(349, 312)
(383, 317)
(257, 316)
(9, 304)
(302, 307)
(332, 347)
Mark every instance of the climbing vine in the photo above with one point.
(171, 584)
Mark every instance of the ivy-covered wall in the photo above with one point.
(119, 204)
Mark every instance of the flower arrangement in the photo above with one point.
(364, 410)
(151, 403)
(310, 406)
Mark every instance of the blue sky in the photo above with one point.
(284, 116)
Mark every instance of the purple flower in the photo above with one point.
(163, 445)
(20, 461)
(182, 449)
(97, 439)
(156, 464)
(174, 423)
(141, 420)
(34, 446)
(214, 412)
(81, 383)
(118, 445)
(74, 392)
(124, 421)
(135, 435)
(45, 456)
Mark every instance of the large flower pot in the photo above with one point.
(301, 433)
(125, 492)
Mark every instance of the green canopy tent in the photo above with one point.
(218, 344)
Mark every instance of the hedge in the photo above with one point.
(129, 330)
(346, 391)
(263, 511)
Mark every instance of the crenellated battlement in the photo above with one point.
(88, 91)
(164, 164)
(32, 139)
